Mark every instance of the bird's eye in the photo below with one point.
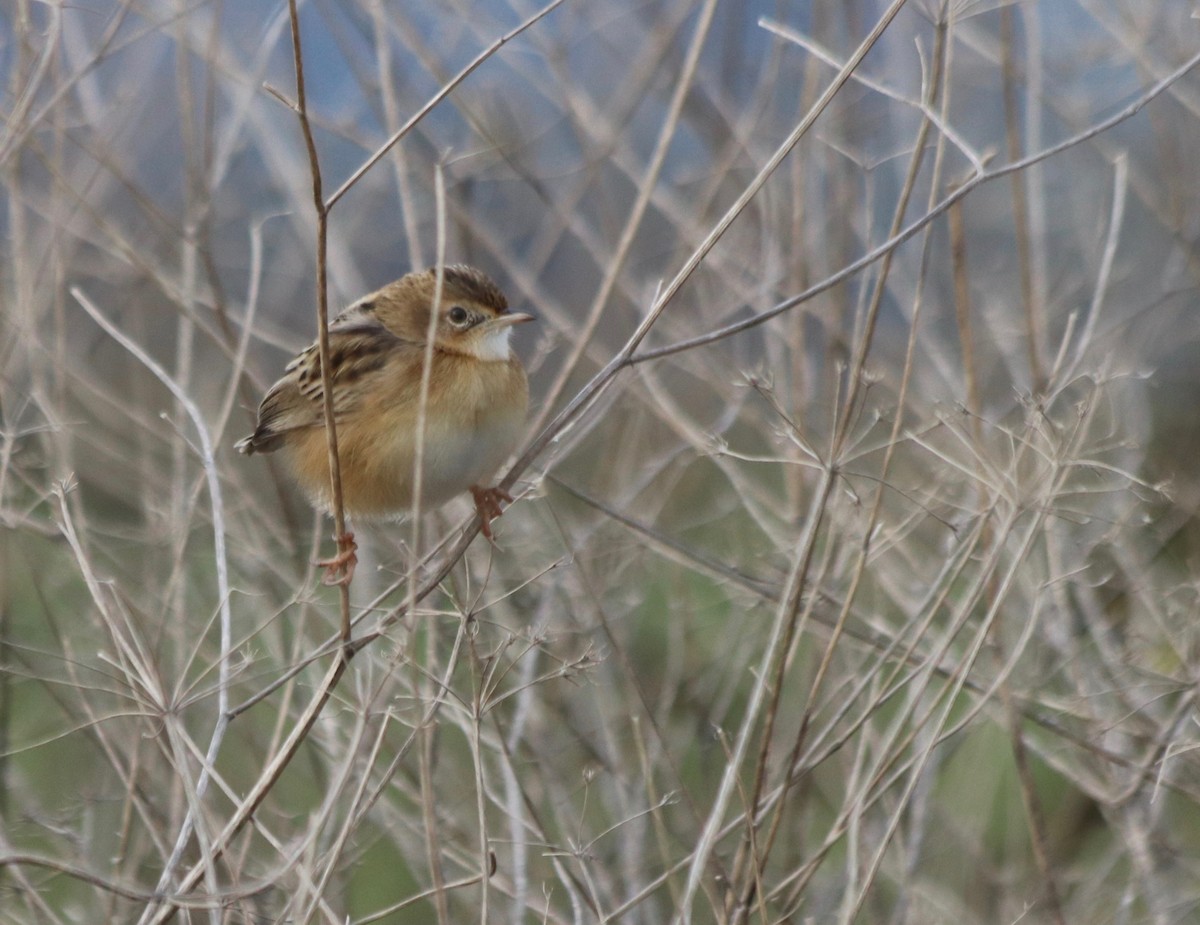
(458, 316)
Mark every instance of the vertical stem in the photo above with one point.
(1020, 207)
(335, 468)
(962, 310)
(428, 731)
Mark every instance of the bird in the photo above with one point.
(474, 414)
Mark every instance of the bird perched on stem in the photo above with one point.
(473, 414)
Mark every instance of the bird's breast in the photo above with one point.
(474, 416)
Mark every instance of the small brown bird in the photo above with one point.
(475, 409)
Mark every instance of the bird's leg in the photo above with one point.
(340, 569)
(487, 504)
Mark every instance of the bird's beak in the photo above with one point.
(504, 321)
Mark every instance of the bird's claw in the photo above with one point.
(340, 568)
(488, 506)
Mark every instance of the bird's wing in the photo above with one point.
(359, 346)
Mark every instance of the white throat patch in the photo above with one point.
(493, 346)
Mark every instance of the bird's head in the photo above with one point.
(472, 316)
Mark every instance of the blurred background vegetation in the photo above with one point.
(877, 608)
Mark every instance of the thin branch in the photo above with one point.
(322, 212)
(445, 90)
(896, 240)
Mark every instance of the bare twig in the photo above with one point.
(914, 227)
(445, 90)
(322, 212)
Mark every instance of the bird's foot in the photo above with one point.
(487, 505)
(340, 569)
